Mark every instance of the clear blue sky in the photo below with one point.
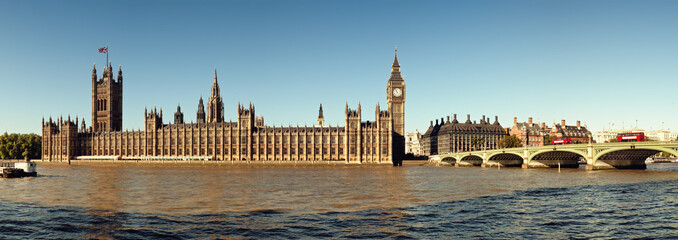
(600, 62)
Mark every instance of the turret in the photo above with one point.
(321, 118)
(200, 116)
(178, 116)
(154, 120)
(110, 70)
(246, 116)
(94, 74)
(120, 74)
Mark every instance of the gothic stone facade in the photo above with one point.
(212, 138)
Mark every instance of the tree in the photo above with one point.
(548, 140)
(477, 142)
(510, 142)
(18, 146)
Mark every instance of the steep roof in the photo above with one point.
(470, 127)
(572, 131)
(533, 129)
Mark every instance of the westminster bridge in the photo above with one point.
(619, 155)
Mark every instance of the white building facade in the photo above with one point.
(413, 143)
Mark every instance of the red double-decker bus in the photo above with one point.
(631, 137)
(561, 141)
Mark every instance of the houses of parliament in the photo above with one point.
(211, 138)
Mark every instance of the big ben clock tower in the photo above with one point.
(395, 97)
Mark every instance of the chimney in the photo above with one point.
(448, 118)
(515, 120)
(562, 122)
(529, 121)
(483, 119)
(578, 124)
(436, 122)
(431, 123)
(543, 126)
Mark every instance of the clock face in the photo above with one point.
(397, 92)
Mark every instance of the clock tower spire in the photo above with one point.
(395, 97)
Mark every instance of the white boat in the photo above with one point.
(18, 169)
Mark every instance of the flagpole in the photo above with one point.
(106, 53)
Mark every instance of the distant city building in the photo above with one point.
(604, 136)
(212, 138)
(530, 134)
(576, 133)
(413, 143)
(607, 135)
(661, 135)
(656, 135)
(452, 136)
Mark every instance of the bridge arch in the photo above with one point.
(543, 151)
(505, 159)
(503, 154)
(607, 152)
(568, 158)
(449, 159)
(627, 157)
(470, 160)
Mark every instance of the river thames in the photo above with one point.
(107, 201)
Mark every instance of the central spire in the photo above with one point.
(395, 69)
(215, 85)
(395, 60)
(215, 107)
(215, 74)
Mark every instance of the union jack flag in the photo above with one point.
(103, 50)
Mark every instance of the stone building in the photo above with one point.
(413, 143)
(453, 136)
(576, 133)
(531, 134)
(661, 135)
(212, 138)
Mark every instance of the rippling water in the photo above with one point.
(147, 201)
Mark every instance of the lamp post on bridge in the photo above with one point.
(527, 136)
